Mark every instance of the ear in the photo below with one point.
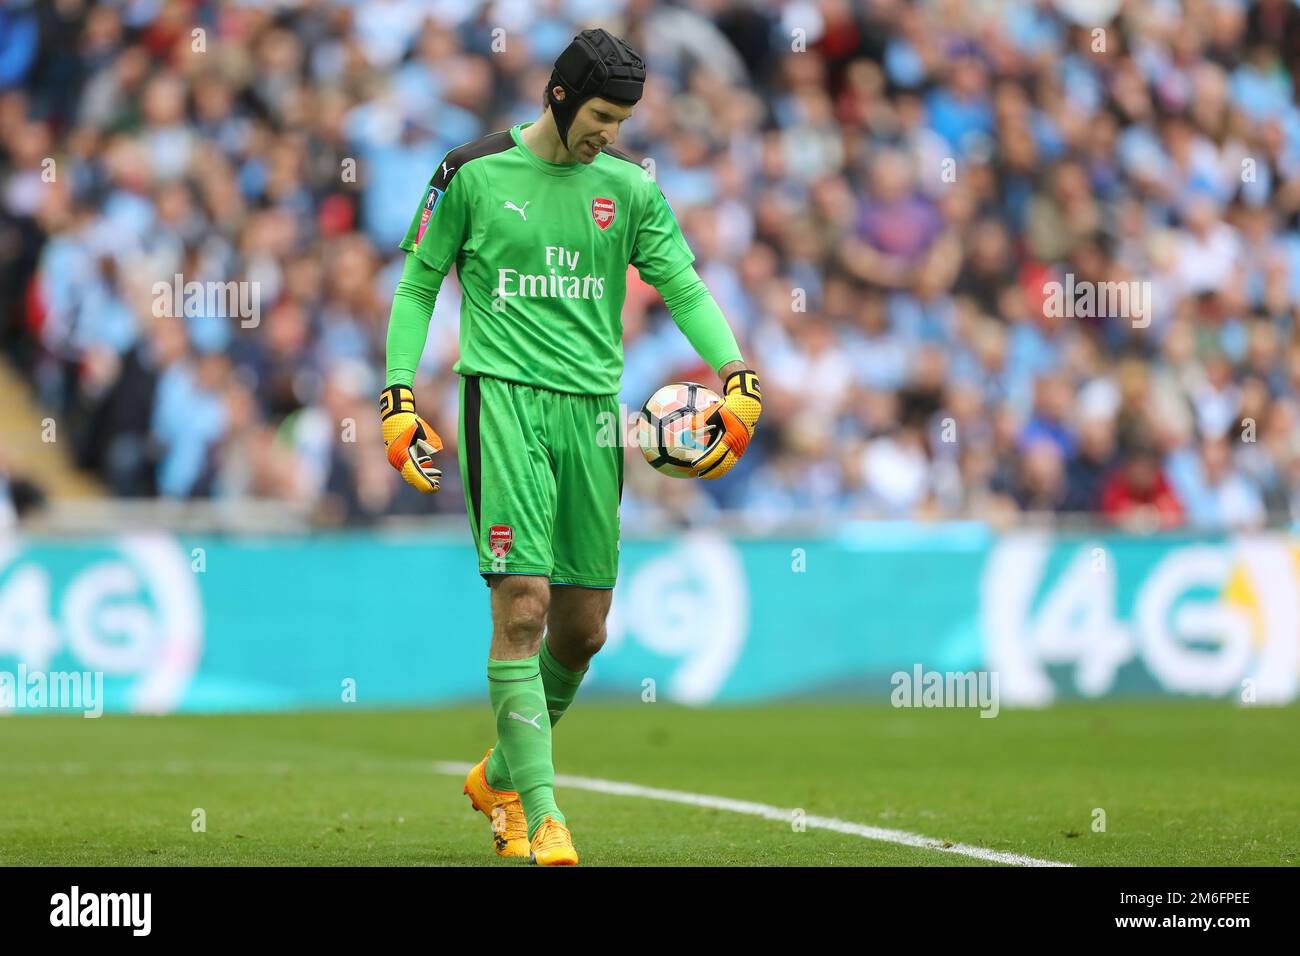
(558, 93)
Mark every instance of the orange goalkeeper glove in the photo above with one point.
(733, 424)
(411, 442)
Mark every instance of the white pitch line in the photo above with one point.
(768, 812)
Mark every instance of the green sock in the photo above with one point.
(524, 735)
(561, 686)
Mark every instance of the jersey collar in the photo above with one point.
(551, 169)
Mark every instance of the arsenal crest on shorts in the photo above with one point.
(500, 537)
(603, 211)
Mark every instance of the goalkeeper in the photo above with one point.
(541, 222)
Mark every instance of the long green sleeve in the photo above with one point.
(408, 323)
(696, 313)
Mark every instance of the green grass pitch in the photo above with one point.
(1180, 782)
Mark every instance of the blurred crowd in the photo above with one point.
(879, 194)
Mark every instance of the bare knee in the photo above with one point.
(592, 639)
(519, 608)
(576, 643)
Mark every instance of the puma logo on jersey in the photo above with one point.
(446, 173)
(510, 205)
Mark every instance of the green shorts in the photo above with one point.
(543, 478)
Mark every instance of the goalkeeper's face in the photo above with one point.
(595, 127)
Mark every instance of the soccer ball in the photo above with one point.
(670, 428)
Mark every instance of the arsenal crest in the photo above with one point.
(603, 211)
(500, 537)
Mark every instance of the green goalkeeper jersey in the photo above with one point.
(542, 251)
